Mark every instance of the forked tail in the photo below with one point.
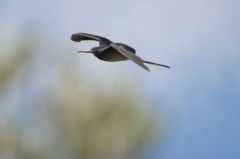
(152, 63)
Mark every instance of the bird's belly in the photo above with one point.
(112, 56)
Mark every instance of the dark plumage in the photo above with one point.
(110, 51)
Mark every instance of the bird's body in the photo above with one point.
(112, 52)
(111, 55)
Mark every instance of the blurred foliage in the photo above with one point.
(74, 120)
(14, 63)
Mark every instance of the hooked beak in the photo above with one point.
(85, 51)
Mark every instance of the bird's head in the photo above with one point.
(93, 50)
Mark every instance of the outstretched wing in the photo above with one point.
(130, 55)
(77, 37)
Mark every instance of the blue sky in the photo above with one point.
(199, 95)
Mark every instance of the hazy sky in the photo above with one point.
(198, 39)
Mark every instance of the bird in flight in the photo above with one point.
(111, 51)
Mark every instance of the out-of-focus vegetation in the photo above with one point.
(66, 118)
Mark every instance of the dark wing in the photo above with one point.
(127, 47)
(130, 55)
(77, 37)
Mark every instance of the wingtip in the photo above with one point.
(75, 37)
(146, 68)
